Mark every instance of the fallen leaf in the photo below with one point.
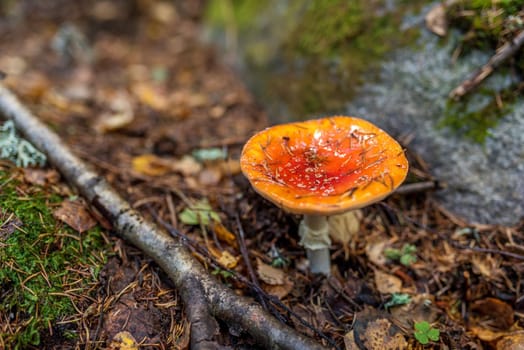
(373, 330)
(149, 96)
(151, 165)
(199, 213)
(209, 154)
(269, 274)
(280, 290)
(224, 258)
(436, 20)
(41, 177)
(123, 341)
(375, 251)
(488, 266)
(186, 165)
(421, 308)
(499, 313)
(513, 341)
(120, 113)
(224, 235)
(210, 176)
(76, 215)
(386, 283)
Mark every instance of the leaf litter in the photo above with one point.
(151, 88)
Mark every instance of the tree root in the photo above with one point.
(206, 300)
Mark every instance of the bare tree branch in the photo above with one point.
(189, 277)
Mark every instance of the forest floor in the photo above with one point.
(134, 92)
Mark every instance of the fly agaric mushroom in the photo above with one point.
(323, 167)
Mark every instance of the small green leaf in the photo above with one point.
(209, 154)
(424, 332)
(407, 259)
(200, 213)
(392, 253)
(398, 299)
(434, 334)
(422, 326)
(421, 337)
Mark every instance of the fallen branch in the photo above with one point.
(503, 53)
(203, 296)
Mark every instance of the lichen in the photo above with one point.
(18, 150)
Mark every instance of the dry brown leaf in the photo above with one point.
(123, 341)
(375, 251)
(151, 165)
(386, 283)
(230, 166)
(380, 335)
(270, 274)
(210, 176)
(485, 334)
(41, 177)
(487, 265)
(186, 165)
(280, 290)
(76, 215)
(421, 308)
(119, 115)
(513, 341)
(149, 96)
(436, 20)
(499, 313)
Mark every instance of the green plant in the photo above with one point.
(397, 299)
(424, 332)
(40, 259)
(406, 256)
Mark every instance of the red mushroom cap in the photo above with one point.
(324, 166)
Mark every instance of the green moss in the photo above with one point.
(476, 114)
(310, 57)
(487, 23)
(40, 261)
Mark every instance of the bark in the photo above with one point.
(189, 277)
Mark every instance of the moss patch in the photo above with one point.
(45, 267)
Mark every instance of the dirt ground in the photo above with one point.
(133, 91)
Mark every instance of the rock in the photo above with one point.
(485, 182)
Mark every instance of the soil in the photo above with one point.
(126, 79)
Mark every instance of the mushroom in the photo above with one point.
(323, 167)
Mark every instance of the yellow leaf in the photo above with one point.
(224, 258)
(123, 341)
(224, 235)
(149, 164)
(150, 97)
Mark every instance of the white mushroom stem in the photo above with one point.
(314, 236)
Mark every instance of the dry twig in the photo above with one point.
(202, 295)
(503, 53)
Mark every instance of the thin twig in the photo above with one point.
(245, 256)
(503, 53)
